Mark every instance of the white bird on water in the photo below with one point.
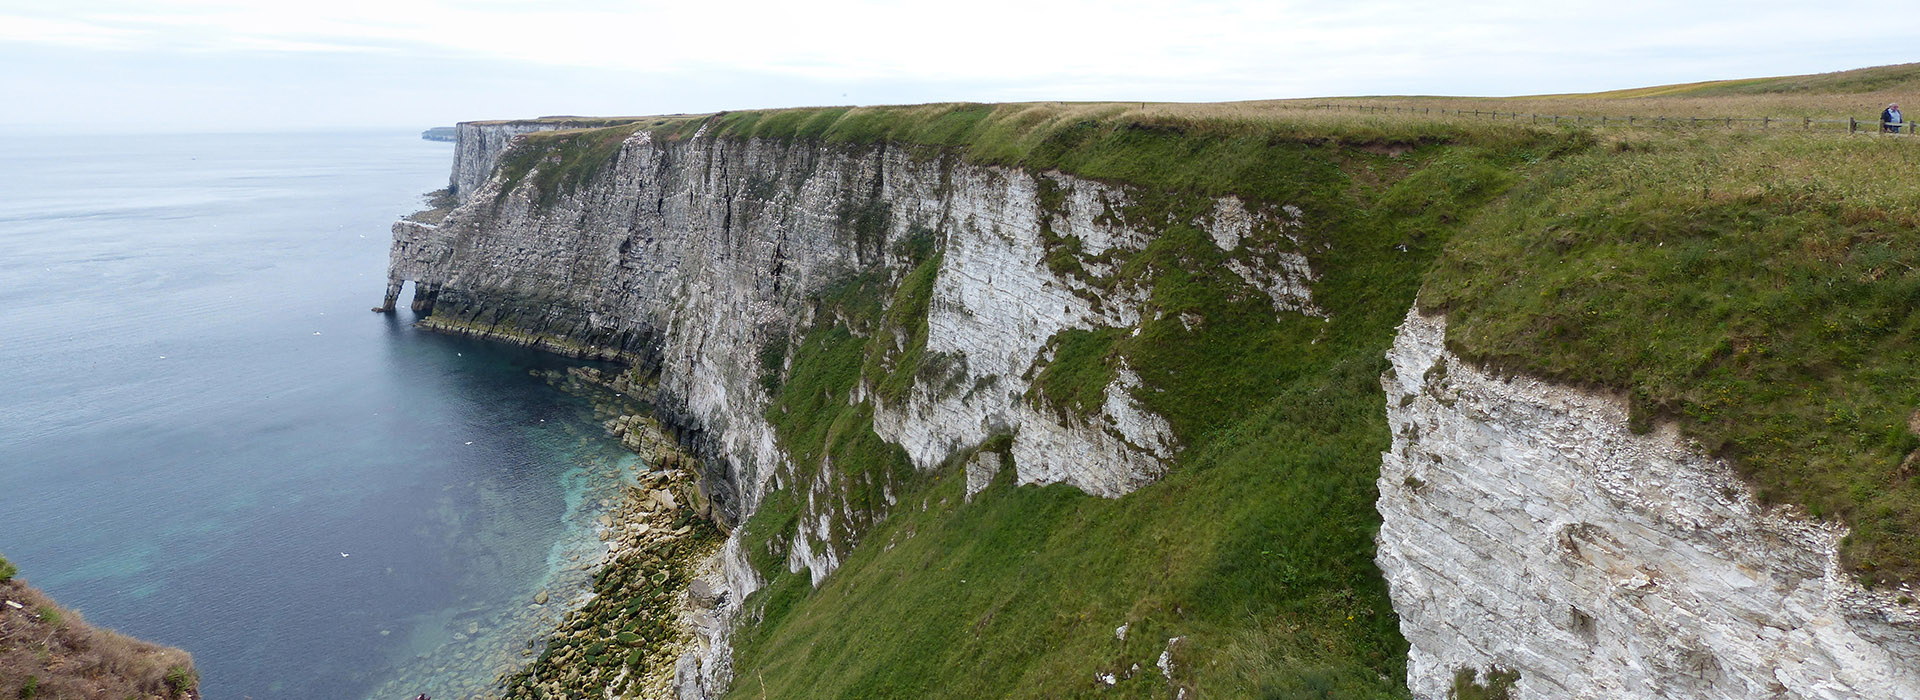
(343, 554)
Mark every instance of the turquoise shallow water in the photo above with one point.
(206, 439)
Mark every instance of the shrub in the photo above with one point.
(181, 679)
(7, 570)
(1499, 685)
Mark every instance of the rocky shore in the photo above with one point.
(616, 612)
(623, 641)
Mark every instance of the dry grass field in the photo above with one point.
(47, 651)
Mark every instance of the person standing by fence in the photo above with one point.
(1890, 119)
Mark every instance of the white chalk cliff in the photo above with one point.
(1525, 528)
(694, 254)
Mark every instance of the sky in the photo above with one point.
(224, 65)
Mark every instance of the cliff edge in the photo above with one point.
(47, 651)
(1041, 400)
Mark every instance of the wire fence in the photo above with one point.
(1852, 125)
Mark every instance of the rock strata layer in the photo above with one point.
(1527, 529)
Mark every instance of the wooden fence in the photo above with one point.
(1853, 126)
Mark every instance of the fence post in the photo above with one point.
(1852, 125)
(1808, 125)
(1629, 120)
(1764, 121)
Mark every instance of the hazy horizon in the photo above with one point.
(228, 65)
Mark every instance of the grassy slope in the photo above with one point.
(1753, 287)
(1905, 77)
(1859, 94)
(1258, 549)
(1757, 288)
(47, 651)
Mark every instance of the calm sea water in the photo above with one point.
(206, 440)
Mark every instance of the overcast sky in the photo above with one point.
(270, 64)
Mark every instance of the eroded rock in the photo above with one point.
(1526, 528)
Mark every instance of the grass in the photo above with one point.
(47, 651)
(1758, 289)
(998, 598)
(1141, 143)
(900, 342)
(1029, 133)
(1879, 79)
(1857, 93)
(831, 440)
(562, 161)
(1752, 287)
(1256, 550)
(1499, 685)
(1084, 363)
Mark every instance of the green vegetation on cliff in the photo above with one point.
(1758, 289)
(1754, 288)
(1255, 551)
(565, 159)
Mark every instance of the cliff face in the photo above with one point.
(694, 256)
(796, 297)
(478, 145)
(1526, 529)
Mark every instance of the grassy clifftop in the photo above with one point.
(1758, 289)
(1903, 78)
(1754, 287)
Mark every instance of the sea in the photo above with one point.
(208, 441)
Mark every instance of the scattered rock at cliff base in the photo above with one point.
(540, 598)
(701, 593)
(625, 640)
